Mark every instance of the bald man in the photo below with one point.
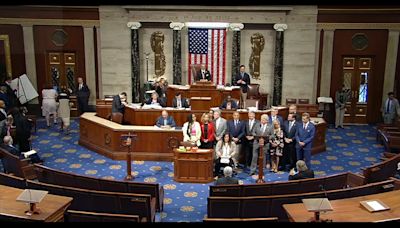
(203, 74)
(165, 121)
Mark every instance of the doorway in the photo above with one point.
(61, 70)
(357, 72)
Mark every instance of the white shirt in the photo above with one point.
(225, 150)
(80, 86)
(263, 126)
(291, 124)
(251, 122)
(305, 125)
(217, 123)
(178, 103)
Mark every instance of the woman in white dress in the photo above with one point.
(191, 130)
(49, 104)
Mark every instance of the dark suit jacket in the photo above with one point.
(226, 180)
(305, 135)
(12, 150)
(84, 93)
(117, 106)
(159, 100)
(170, 121)
(280, 119)
(302, 175)
(2, 116)
(183, 101)
(292, 133)
(246, 78)
(233, 105)
(238, 131)
(207, 75)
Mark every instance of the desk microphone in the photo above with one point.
(322, 188)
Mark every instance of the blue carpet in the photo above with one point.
(348, 149)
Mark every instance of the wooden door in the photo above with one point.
(357, 71)
(61, 69)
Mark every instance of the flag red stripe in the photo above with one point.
(218, 46)
(212, 51)
(223, 60)
(189, 70)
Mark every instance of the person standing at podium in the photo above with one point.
(203, 74)
(261, 130)
(191, 130)
(242, 80)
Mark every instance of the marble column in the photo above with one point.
(326, 63)
(135, 60)
(177, 51)
(30, 61)
(278, 66)
(235, 27)
(391, 58)
(90, 63)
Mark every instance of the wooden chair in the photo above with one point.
(19, 167)
(12, 181)
(304, 101)
(290, 101)
(117, 117)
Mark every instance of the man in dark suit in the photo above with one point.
(242, 80)
(203, 74)
(82, 93)
(3, 113)
(304, 138)
(303, 172)
(229, 104)
(179, 102)
(236, 130)
(8, 146)
(156, 100)
(119, 103)
(274, 116)
(293, 110)
(227, 179)
(289, 149)
(165, 121)
(249, 137)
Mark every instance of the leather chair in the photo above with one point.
(252, 103)
(195, 68)
(117, 117)
(290, 101)
(304, 101)
(254, 91)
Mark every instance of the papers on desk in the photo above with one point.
(225, 159)
(374, 205)
(135, 105)
(29, 153)
(164, 128)
(327, 100)
(108, 99)
(152, 106)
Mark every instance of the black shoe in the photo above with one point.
(252, 173)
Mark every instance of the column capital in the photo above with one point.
(134, 25)
(280, 27)
(236, 26)
(176, 25)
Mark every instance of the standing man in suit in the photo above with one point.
(179, 102)
(236, 131)
(304, 139)
(249, 137)
(341, 98)
(82, 93)
(220, 125)
(243, 80)
(119, 103)
(265, 130)
(165, 121)
(203, 74)
(289, 150)
(390, 109)
(274, 116)
(227, 179)
(293, 110)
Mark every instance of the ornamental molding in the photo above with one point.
(134, 25)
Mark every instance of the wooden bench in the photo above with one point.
(382, 170)
(12, 181)
(224, 220)
(57, 177)
(14, 165)
(271, 206)
(142, 205)
(337, 181)
(85, 216)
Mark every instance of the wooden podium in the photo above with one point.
(193, 167)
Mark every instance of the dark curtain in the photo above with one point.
(135, 76)
(278, 69)
(177, 67)
(235, 54)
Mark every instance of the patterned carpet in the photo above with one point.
(348, 149)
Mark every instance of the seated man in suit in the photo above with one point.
(179, 101)
(274, 116)
(229, 104)
(8, 146)
(227, 179)
(119, 103)
(165, 121)
(203, 74)
(155, 100)
(304, 139)
(302, 171)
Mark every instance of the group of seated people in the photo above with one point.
(239, 140)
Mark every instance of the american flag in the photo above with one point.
(208, 46)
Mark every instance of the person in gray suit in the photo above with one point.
(227, 179)
(390, 109)
(220, 125)
(249, 138)
(265, 130)
(341, 98)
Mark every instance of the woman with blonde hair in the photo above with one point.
(207, 132)
(64, 110)
(277, 143)
(191, 130)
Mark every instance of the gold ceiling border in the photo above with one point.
(7, 52)
(332, 26)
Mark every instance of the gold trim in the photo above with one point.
(333, 26)
(31, 22)
(7, 53)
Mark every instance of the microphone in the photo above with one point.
(322, 188)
